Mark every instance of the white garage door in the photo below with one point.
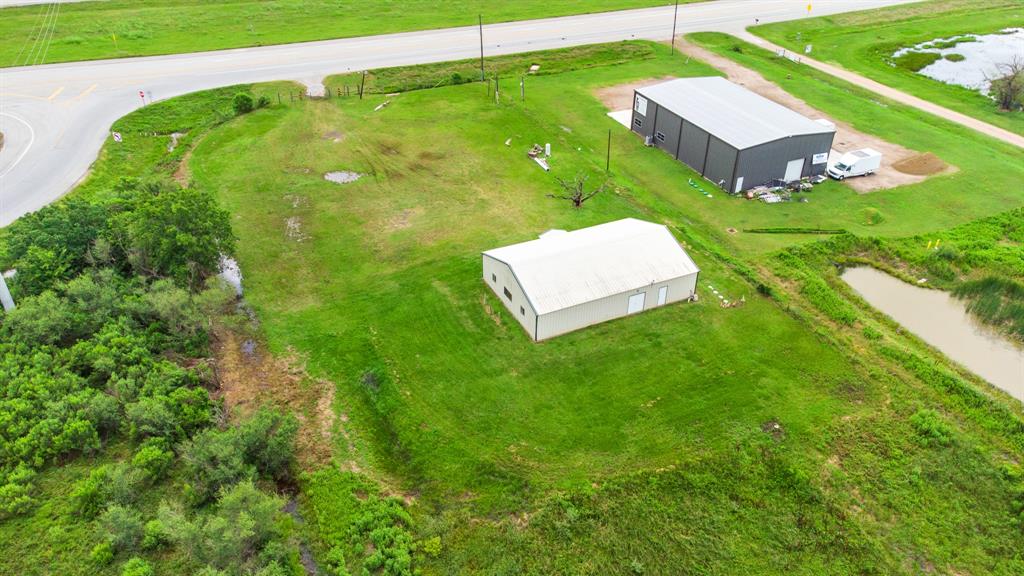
(794, 169)
(636, 303)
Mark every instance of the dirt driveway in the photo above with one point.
(900, 166)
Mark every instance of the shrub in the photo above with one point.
(136, 567)
(102, 554)
(154, 535)
(241, 526)
(432, 546)
(123, 526)
(873, 217)
(242, 103)
(212, 460)
(953, 57)
(88, 496)
(263, 101)
(931, 428)
(268, 442)
(15, 494)
(151, 417)
(153, 459)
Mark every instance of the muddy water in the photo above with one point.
(943, 321)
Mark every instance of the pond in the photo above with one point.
(974, 57)
(943, 322)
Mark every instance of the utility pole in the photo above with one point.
(5, 295)
(675, 17)
(480, 19)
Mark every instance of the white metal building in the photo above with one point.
(565, 281)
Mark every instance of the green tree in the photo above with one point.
(178, 233)
(123, 526)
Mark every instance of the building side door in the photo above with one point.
(636, 303)
(662, 295)
(794, 169)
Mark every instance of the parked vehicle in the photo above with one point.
(857, 163)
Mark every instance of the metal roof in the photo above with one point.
(730, 112)
(562, 270)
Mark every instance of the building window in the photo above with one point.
(494, 277)
(660, 136)
(522, 311)
(508, 295)
(638, 122)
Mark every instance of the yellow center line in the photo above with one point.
(55, 93)
(20, 95)
(85, 93)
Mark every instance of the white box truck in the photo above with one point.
(857, 163)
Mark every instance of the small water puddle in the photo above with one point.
(943, 321)
(342, 177)
(231, 273)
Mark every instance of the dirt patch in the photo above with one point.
(847, 137)
(293, 229)
(402, 219)
(922, 165)
(249, 377)
(774, 429)
(620, 97)
(333, 136)
(490, 311)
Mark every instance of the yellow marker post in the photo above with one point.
(937, 242)
(808, 8)
(114, 38)
(929, 245)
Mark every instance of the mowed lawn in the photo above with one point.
(865, 41)
(385, 295)
(121, 28)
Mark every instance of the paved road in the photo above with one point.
(56, 117)
(898, 96)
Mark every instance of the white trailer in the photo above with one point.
(857, 163)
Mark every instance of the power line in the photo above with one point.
(39, 34)
(28, 39)
(53, 28)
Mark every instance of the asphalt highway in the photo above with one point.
(56, 117)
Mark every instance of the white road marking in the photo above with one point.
(31, 140)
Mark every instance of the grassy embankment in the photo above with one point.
(864, 42)
(565, 457)
(87, 31)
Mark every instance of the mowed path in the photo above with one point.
(896, 95)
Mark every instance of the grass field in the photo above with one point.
(645, 445)
(120, 28)
(566, 457)
(864, 43)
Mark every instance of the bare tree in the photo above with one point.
(1007, 85)
(576, 191)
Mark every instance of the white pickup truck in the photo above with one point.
(857, 163)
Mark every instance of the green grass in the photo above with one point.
(865, 41)
(566, 456)
(120, 28)
(642, 445)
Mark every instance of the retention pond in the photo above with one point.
(943, 322)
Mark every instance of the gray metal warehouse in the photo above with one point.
(565, 281)
(730, 135)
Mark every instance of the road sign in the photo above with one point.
(116, 135)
